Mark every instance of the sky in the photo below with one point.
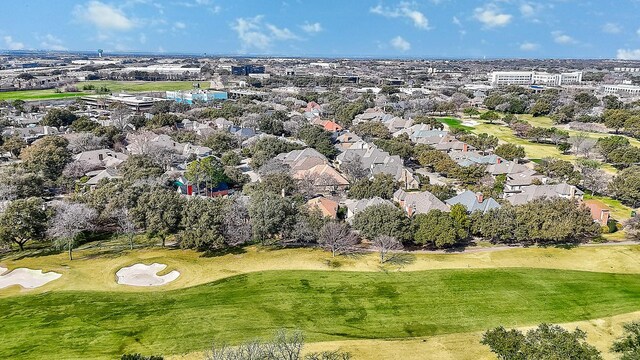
(332, 28)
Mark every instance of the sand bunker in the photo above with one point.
(145, 275)
(471, 123)
(27, 278)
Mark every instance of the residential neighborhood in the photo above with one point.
(319, 181)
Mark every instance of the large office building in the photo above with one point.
(189, 97)
(534, 78)
(622, 90)
(245, 70)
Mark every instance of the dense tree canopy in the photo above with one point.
(546, 342)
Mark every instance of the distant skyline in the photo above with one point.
(331, 28)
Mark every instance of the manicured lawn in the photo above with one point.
(141, 86)
(27, 95)
(454, 123)
(325, 305)
(114, 86)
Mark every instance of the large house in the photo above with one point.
(532, 192)
(380, 162)
(473, 202)
(356, 206)
(418, 202)
(102, 158)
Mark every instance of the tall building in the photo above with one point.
(534, 78)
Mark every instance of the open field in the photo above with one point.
(30, 95)
(325, 305)
(114, 86)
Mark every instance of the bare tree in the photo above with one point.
(120, 115)
(274, 166)
(337, 237)
(354, 169)
(8, 192)
(85, 142)
(284, 346)
(70, 220)
(237, 224)
(126, 225)
(384, 244)
(77, 169)
(164, 157)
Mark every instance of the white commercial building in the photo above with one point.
(534, 78)
(622, 90)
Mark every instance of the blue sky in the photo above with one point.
(386, 28)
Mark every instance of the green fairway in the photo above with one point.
(325, 305)
(454, 123)
(113, 86)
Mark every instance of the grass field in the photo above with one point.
(325, 305)
(454, 123)
(114, 86)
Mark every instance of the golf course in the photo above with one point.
(352, 303)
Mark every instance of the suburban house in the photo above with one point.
(468, 158)
(302, 159)
(327, 207)
(30, 134)
(532, 192)
(96, 176)
(356, 206)
(418, 202)
(380, 162)
(146, 142)
(324, 178)
(473, 202)
(102, 158)
(599, 211)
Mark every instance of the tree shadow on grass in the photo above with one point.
(236, 250)
(400, 259)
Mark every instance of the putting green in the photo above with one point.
(325, 305)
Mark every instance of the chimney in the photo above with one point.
(282, 193)
(465, 147)
(499, 160)
(479, 197)
(572, 191)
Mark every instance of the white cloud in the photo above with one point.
(51, 42)
(12, 44)
(103, 16)
(628, 54)
(400, 44)
(253, 33)
(527, 10)
(562, 38)
(491, 16)
(249, 33)
(406, 10)
(638, 32)
(611, 28)
(312, 28)
(179, 25)
(529, 46)
(281, 33)
(456, 21)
